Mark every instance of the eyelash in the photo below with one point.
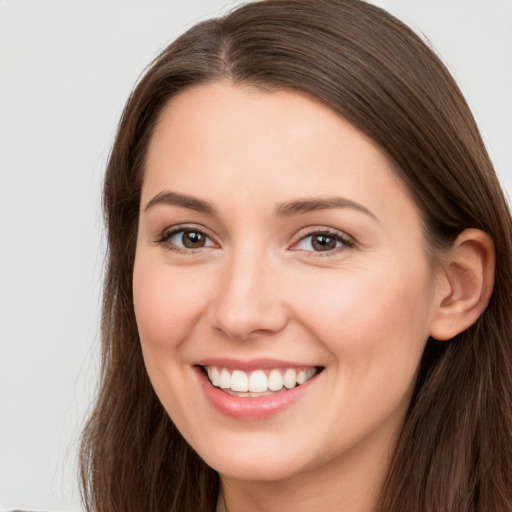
(344, 240)
(167, 235)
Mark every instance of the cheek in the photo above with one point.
(375, 331)
(167, 303)
(373, 321)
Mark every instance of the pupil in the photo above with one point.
(193, 239)
(323, 242)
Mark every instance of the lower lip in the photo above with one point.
(246, 408)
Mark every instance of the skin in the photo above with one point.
(362, 311)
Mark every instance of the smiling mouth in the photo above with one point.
(258, 383)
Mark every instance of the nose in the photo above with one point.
(249, 299)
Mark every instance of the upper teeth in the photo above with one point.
(258, 381)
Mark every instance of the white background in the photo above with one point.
(66, 68)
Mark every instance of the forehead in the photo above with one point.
(242, 145)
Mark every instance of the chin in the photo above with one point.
(261, 469)
(257, 460)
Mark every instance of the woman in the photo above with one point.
(308, 289)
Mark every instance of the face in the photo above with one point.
(282, 288)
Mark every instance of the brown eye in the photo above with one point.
(182, 239)
(193, 239)
(323, 242)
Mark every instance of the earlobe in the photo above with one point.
(465, 285)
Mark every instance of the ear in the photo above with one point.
(465, 284)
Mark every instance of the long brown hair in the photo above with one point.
(454, 453)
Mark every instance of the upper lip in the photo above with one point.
(252, 364)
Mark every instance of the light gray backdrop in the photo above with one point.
(66, 68)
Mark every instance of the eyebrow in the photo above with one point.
(306, 205)
(183, 200)
(288, 209)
